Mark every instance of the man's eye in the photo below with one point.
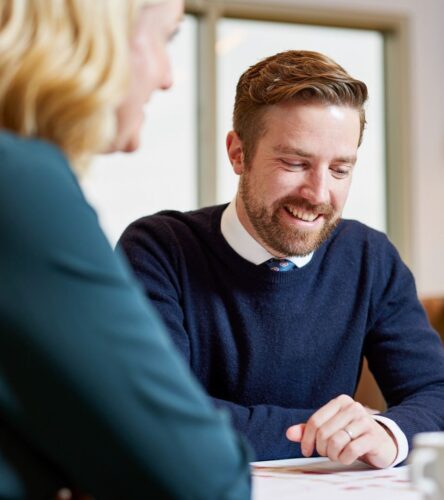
(340, 172)
(292, 164)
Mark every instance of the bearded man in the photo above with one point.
(274, 300)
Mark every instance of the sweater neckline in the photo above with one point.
(260, 272)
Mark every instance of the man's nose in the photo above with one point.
(316, 186)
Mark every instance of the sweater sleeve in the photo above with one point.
(151, 255)
(89, 380)
(404, 353)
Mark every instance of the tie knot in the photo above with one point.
(280, 265)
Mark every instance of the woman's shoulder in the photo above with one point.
(23, 155)
(38, 190)
(32, 169)
(29, 157)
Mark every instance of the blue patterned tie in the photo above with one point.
(279, 265)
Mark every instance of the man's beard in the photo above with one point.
(284, 239)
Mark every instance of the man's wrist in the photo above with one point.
(395, 432)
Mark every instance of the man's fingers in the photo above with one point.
(295, 432)
(344, 431)
(353, 418)
(343, 437)
(356, 449)
(319, 418)
(336, 444)
(371, 411)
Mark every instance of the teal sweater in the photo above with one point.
(92, 394)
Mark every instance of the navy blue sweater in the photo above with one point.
(274, 347)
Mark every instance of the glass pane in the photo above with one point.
(162, 173)
(242, 43)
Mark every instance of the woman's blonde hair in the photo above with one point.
(64, 69)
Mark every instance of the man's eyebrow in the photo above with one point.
(346, 159)
(291, 151)
(304, 154)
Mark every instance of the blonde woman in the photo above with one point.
(92, 394)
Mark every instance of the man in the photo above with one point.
(280, 343)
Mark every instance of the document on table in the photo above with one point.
(321, 479)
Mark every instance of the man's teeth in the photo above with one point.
(305, 216)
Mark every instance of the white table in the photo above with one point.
(321, 479)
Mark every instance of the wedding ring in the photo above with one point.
(349, 434)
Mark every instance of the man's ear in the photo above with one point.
(235, 152)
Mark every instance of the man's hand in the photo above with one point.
(344, 431)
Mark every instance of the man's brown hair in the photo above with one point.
(294, 75)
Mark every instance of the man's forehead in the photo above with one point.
(285, 122)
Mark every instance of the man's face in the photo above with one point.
(292, 193)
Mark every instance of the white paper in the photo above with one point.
(321, 479)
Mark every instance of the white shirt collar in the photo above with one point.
(245, 245)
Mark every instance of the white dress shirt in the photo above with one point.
(247, 247)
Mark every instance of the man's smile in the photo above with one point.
(301, 214)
